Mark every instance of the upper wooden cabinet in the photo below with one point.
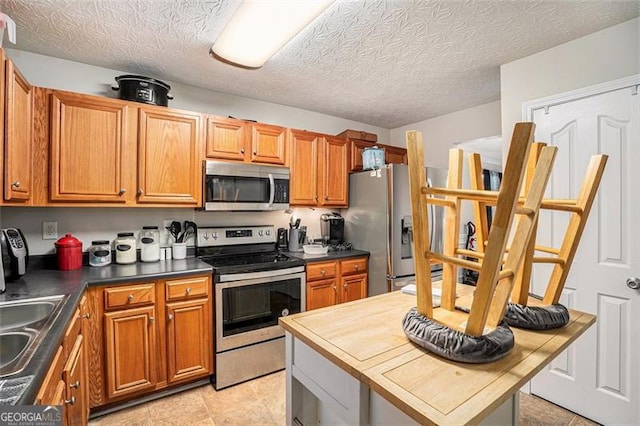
(169, 159)
(395, 155)
(356, 147)
(232, 139)
(18, 114)
(318, 170)
(333, 183)
(304, 168)
(92, 149)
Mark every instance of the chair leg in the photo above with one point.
(500, 227)
(575, 228)
(451, 231)
(523, 234)
(479, 208)
(417, 181)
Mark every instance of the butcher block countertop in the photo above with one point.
(365, 338)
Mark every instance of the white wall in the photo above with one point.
(89, 224)
(443, 132)
(603, 56)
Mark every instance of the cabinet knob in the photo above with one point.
(15, 184)
(151, 319)
(87, 315)
(326, 197)
(75, 385)
(71, 401)
(170, 317)
(344, 286)
(130, 297)
(140, 191)
(315, 198)
(335, 288)
(323, 272)
(255, 152)
(242, 151)
(355, 267)
(122, 191)
(188, 290)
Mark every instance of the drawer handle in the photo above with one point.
(355, 267)
(75, 385)
(71, 401)
(130, 298)
(170, 317)
(323, 272)
(188, 290)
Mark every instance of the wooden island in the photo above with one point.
(352, 364)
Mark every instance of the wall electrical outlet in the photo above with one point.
(49, 230)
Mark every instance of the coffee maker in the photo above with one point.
(332, 228)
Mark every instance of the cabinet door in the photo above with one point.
(355, 151)
(304, 168)
(227, 138)
(333, 183)
(169, 161)
(354, 287)
(322, 293)
(130, 346)
(74, 376)
(18, 135)
(268, 144)
(47, 395)
(189, 339)
(395, 155)
(92, 149)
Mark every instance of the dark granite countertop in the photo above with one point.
(332, 255)
(49, 282)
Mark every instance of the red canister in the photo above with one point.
(69, 250)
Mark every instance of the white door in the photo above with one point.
(599, 375)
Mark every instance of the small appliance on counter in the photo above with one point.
(69, 251)
(15, 253)
(332, 228)
(283, 240)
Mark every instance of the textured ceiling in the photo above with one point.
(387, 63)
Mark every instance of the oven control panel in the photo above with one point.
(224, 236)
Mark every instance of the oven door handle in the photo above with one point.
(272, 191)
(222, 278)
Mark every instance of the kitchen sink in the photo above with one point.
(11, 346)
(23, 325)
(18, 314)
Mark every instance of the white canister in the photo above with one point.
(149, 244)
(125, 247)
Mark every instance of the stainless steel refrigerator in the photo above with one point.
(379, 220)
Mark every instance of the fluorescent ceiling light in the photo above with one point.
(259, 28)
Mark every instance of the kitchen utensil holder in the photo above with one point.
(179, 250)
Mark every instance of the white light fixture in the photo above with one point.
(259, 28)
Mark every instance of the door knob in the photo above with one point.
(633, 283)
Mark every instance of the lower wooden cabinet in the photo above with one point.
(130, 344)
(148, 336)
(66, 382)
(333, 282)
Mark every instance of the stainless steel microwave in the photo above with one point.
(245, 187)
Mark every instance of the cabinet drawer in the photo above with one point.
(73, 330)
(354, 266)
(47, 392)
(318, 271)
(129, 296)
(186, 288)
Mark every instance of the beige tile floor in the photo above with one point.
(262, 402)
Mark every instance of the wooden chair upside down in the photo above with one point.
(497, 267)
(562, 258)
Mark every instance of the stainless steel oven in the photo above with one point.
(254, 285)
